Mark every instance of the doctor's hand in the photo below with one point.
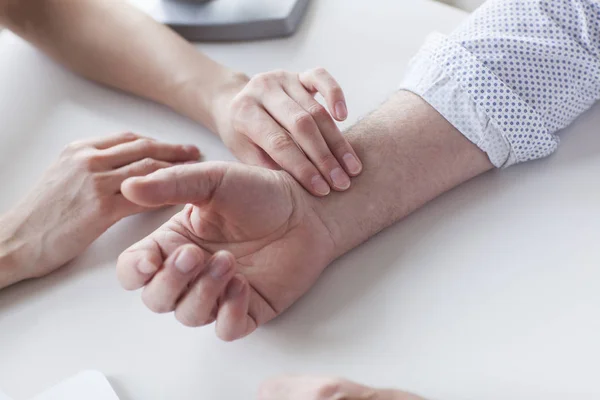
(78, 198)
(321, 388)
(275, 122)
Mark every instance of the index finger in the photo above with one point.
(321, 81)
(278, 144)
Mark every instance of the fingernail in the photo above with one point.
(320, 185)
(146, 267)
(235, 287)
(190, 149)
(340, 178)
(352, 163)
(185, 261)
(340, 110)
(220, 266)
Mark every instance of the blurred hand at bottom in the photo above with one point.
(323, 388)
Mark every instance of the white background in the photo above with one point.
(490, 292)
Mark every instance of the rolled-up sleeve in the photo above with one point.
(513, 75)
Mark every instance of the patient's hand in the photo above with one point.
(249, 246)
(78, 198)
(321, 388)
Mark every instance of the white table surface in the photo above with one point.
(490, 292)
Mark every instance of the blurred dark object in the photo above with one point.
(231, 20)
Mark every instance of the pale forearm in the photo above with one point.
(113, 43)
(411, 155)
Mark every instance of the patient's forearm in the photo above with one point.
(411, 155)
(114, 43)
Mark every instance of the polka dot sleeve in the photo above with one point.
(512, 76)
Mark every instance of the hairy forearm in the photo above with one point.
(113, 43)
(411, 155)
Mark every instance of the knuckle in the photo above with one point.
(244, 111)
(99, 183)
(262, 81)
(303, 122)
(318, 111)
(148, 163)
(267, 80)
(279, 142)
(278, 74)
(242, 103)
(127, 136)
(241, 110)
(327, 160)
(73, 147)
(89, 160)
(145, 144)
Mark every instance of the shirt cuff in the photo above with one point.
(455, 83)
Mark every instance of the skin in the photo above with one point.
(240, 262)
(229, 250)
(76, 200)
(271, 120)
(320, 388)
(243, 260)
(260, 119)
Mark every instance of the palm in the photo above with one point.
(266, 220)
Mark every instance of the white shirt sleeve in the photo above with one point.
(514, 74)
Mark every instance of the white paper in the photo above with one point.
(88, 385)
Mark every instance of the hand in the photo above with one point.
(274, 121)
(319, 388)
(250, 244)
(79, 198)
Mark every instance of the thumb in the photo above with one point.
(181, 184)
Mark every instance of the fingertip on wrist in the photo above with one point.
(352, 164)
(320, 186)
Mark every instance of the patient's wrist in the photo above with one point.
(411, 154)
